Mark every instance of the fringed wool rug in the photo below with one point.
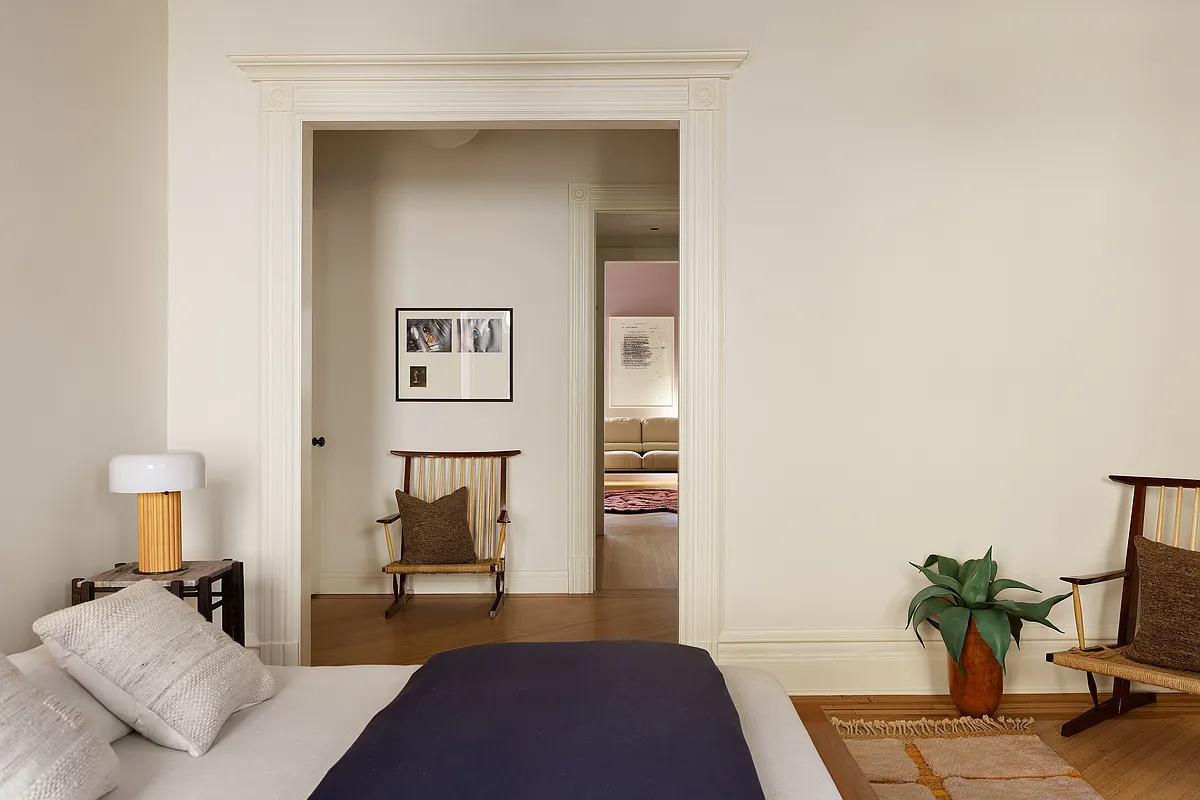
(960, 759)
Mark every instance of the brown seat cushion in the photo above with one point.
(1168, 628)
(437, 532)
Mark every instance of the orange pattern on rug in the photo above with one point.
(965, 759)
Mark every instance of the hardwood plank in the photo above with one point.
(638, 551)
(352, 630)
(1064, 705)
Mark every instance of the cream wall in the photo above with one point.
(398, 223)
(83, 287)
(961, 265)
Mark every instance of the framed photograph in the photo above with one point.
(641, 362)
(448, 355)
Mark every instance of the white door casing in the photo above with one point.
(587, 199)
(301, 93)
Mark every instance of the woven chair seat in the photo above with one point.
(481, 566)
(1113, 661)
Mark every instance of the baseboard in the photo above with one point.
(282, 654)
(863, 661)
(528, 581)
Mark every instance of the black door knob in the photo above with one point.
(318, 441)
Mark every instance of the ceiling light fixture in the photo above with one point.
(446, 138)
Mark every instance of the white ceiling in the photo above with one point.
(636, 225)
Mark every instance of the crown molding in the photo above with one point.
(693, 64)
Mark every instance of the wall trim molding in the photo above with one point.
(687, 64)
(586, 199)
(300, 93)
(888, 660)
(1031, 633)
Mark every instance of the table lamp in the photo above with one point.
(157, 480)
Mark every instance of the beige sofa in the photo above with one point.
(641, 445)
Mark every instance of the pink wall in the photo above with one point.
(641, 289)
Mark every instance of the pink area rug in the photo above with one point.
(640, 501)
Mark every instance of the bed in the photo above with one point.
(283, 747)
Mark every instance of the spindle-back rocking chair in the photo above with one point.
(430, 475)
(1114, 659)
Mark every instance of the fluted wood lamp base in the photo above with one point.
(160, 533)
(157, 479)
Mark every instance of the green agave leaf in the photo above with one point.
(966, 568)
(1014, 626)
(970, 563)
(928, 607)
(995, 569)
(946, 565)
(992, 624)
(924, 594)
(954, 623)
(1007, 583)
(949, 567)
(975, 583)
(940, 580)
(1032, 612)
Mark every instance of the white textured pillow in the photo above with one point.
(156, 663)
(47, 749)
(43, 670)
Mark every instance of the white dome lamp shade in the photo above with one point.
(157, 479)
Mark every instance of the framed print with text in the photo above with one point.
(641, 362)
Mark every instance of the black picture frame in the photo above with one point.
(402, 373)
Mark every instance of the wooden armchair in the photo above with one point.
(430, 475)
(1113, 659)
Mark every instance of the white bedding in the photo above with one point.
(283, 747)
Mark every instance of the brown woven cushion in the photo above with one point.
(437, 532)
(1168, 629)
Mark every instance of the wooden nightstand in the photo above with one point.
(194, 580)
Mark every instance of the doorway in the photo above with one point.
(637, 530)
(302, 93)
(389, 211)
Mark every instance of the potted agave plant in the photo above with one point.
(975, 624)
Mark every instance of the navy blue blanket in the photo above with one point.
(554, 721)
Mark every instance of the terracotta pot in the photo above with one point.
(977, 693)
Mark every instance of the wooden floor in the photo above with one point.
(637, 600)
(1151, 754)
(350, 629)
(638, 551)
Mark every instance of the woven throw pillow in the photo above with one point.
(1168, 628)
(437, 532)
(156, 663)
(48, 751)
(44, 671)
